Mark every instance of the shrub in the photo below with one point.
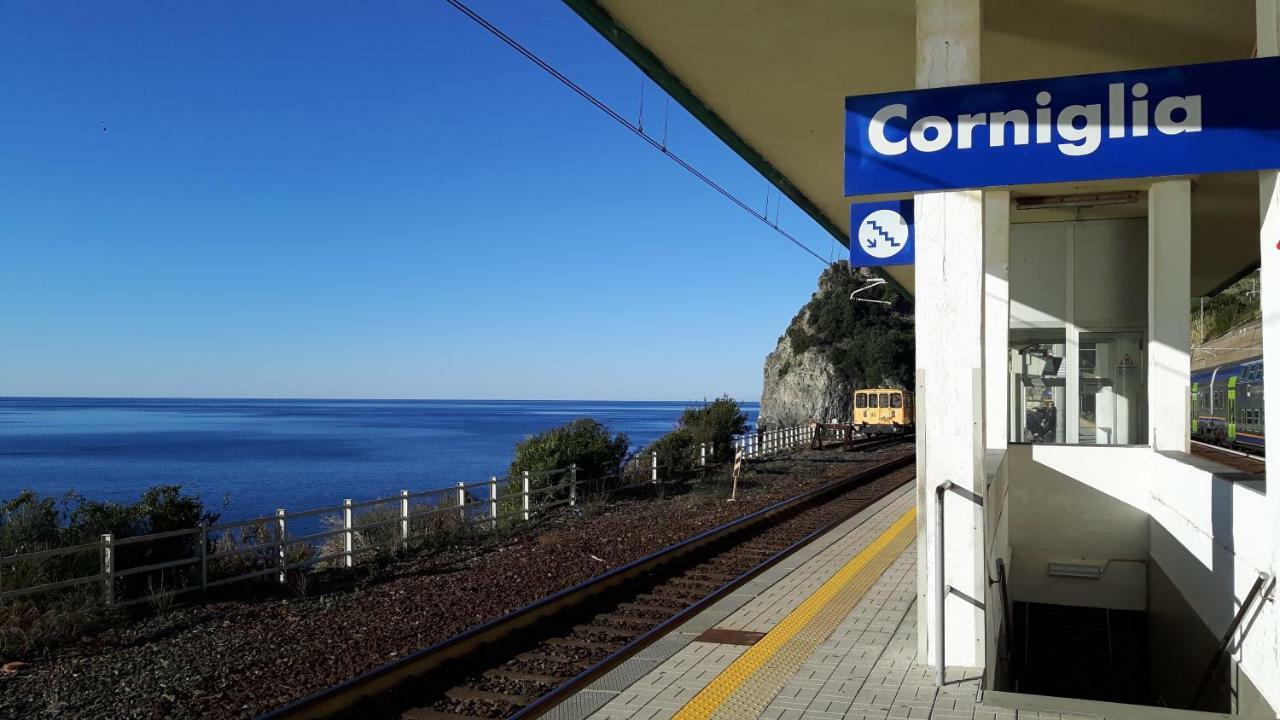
(675, 450)
(29, 523)
(584, 442)
(714, 423)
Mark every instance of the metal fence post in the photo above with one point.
(493, 501)
(348, 537)
(653, 465)
(573, 484)
(462, 502)
(280, 530)
(108, 570)
(404, 517)
(204, 557)
(524, 495)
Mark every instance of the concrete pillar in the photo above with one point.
(1168, 295)
(995, 317)
(949, 352)
(1268, 44)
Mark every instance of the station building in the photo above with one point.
(1052, 328)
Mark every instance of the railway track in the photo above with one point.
(521, 665)
(1246, 462)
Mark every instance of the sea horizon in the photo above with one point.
(247, 456)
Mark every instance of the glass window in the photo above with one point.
(871, 399)
(884, 400)
(1112, 389)
(896, 400)
(1037, 386)
(860, 400)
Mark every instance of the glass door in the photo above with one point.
(1112, 389)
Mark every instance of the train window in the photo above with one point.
(896, 400)
(884, 400)
(871, 400)
(860, 400)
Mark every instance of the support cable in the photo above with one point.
(531, 57)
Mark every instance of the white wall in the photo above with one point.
(1208, 531)
(1054, 516)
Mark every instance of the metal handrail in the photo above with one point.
(940, 578)
(1263, 579)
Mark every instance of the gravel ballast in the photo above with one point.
(240, 658)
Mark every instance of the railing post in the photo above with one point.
(573, 484)
(108, 570)
(348, 537)
(524, 495)
(941, 589)
(462, 503)
(404, 518)
(493, 502)
(280, 534)
(204, 557)
(653, 465)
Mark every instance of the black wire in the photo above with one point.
(528, 54)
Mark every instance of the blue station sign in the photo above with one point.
(883, 233)
(1214, 117)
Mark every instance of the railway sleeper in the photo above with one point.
(585, 644)
(541, 657)
(708, 584)
(504, 674)
(430, 714)
(640, 622)
(655, 608)
(604, 630)
(469, 693)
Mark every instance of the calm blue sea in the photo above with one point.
(248, 457)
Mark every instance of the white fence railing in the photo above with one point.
(127, 570)
(772, 442)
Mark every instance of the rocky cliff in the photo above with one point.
(799, 387)
(834, 345)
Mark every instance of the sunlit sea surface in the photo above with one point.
(247, 457)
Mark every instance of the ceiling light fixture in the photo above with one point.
(1047, 202)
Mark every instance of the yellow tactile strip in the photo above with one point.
(745, 688)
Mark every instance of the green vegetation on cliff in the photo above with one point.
(1229, 309)
(868, 343)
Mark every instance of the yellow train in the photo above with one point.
(878, 411)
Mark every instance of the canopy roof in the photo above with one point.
(769, 77)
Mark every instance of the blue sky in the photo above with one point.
(336, 200)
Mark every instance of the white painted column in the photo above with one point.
(949, 350)
(1268, 29)
(995, 317)
(1168, 318)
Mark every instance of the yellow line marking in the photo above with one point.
(705, 703)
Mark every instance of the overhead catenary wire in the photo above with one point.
(634, 128)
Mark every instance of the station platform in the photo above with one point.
(829, 633)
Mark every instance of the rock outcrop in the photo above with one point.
(799, 387)
(835, 345)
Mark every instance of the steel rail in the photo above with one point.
(396, 675)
